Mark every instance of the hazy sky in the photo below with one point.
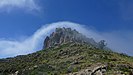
(112, 19)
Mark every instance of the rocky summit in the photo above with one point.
(66, 35)
(68, 52)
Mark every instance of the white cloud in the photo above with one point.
(120, 41)
(28, 5)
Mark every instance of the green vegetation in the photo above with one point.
(66, 58)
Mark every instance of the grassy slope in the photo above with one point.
(64, 59)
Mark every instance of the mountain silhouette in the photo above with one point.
(68, 52)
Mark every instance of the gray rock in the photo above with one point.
(66, 35)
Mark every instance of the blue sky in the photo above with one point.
(19, 19)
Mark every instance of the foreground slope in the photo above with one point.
(69, 57)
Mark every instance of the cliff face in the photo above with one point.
(65, 35)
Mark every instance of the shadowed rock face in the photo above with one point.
(65, 35)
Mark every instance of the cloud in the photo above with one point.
(9, 5)
(119, 41)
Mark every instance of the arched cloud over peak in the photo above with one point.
(116, 40)
(35, 42)
(28, 5)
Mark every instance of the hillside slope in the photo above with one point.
(69, 58)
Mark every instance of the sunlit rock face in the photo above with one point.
(66, 35)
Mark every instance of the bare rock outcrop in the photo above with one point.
(65, 35)
(97, 69)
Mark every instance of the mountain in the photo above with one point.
(66, 35)
(68, 52)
